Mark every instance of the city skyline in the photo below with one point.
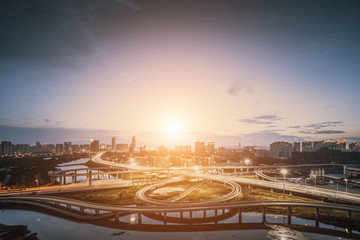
(253, 72)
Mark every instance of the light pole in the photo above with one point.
(247, 161)
(346, 184)
(284, 171)
(314, 176)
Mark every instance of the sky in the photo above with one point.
(173, 72)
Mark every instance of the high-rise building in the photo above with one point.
(113, 143)
(59, 148)
(307, 146)
(199, 147)
(38, 147)
(281, 150)
(341, 145)
(317, 145)
(210, 148)
(123, 147)
(6, 147)
(133, 143)
(67, 147)
(296, 146)
(94, 145)
(75, 148)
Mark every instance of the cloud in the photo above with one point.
(46, 120)
(266, 137)
(329, 106)
(297, 126)
(238, 87)
(329, 132)
(321, 128)
(324, 124)
(262, 119)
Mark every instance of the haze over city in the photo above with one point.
(173, 72)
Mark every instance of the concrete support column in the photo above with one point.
(116, 217)
(317, 216)
(204, 213)
(181, 215)
(68, 205)
(240, 216)
(75, 175)
(72, 179)
(264, 215)
(81, 209)
(289, 214)
(164, 218)
(139, 218)
(97, 211)
(216, 214)
(190, 213)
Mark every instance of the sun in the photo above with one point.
(173, 128)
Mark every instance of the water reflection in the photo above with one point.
(50, 227)
(283, 233)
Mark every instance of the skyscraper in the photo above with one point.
(6, 148)
(94, 145)
(67, 147)
(133, 142)
(113, 143)
(199, 147)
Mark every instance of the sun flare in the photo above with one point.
(173, 128)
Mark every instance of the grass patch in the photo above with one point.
(169, 194)
(121, 196)
(207, 191)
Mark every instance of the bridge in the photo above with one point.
(187, 218)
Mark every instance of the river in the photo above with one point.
(51, 227)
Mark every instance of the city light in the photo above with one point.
(284, 172)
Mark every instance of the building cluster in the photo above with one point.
(284, 150)
(7, 148)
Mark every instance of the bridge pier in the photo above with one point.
(317, 216)
(289, 212)
(164, 218)
(139, 218)
(204, 213)
(240, 216)
(349, 214)
(75, 175)
(68, 205)
(190, 213)
(216, 214)
(72, 179)
(81, 209)
(97, 211)
(117, 217)
(181, 215)
(264, 215)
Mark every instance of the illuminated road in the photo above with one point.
(289, 187)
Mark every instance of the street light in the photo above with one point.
(346, 183)
(314, 176)
(284, 172)
(247, 161)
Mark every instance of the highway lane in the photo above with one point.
(289, 187)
